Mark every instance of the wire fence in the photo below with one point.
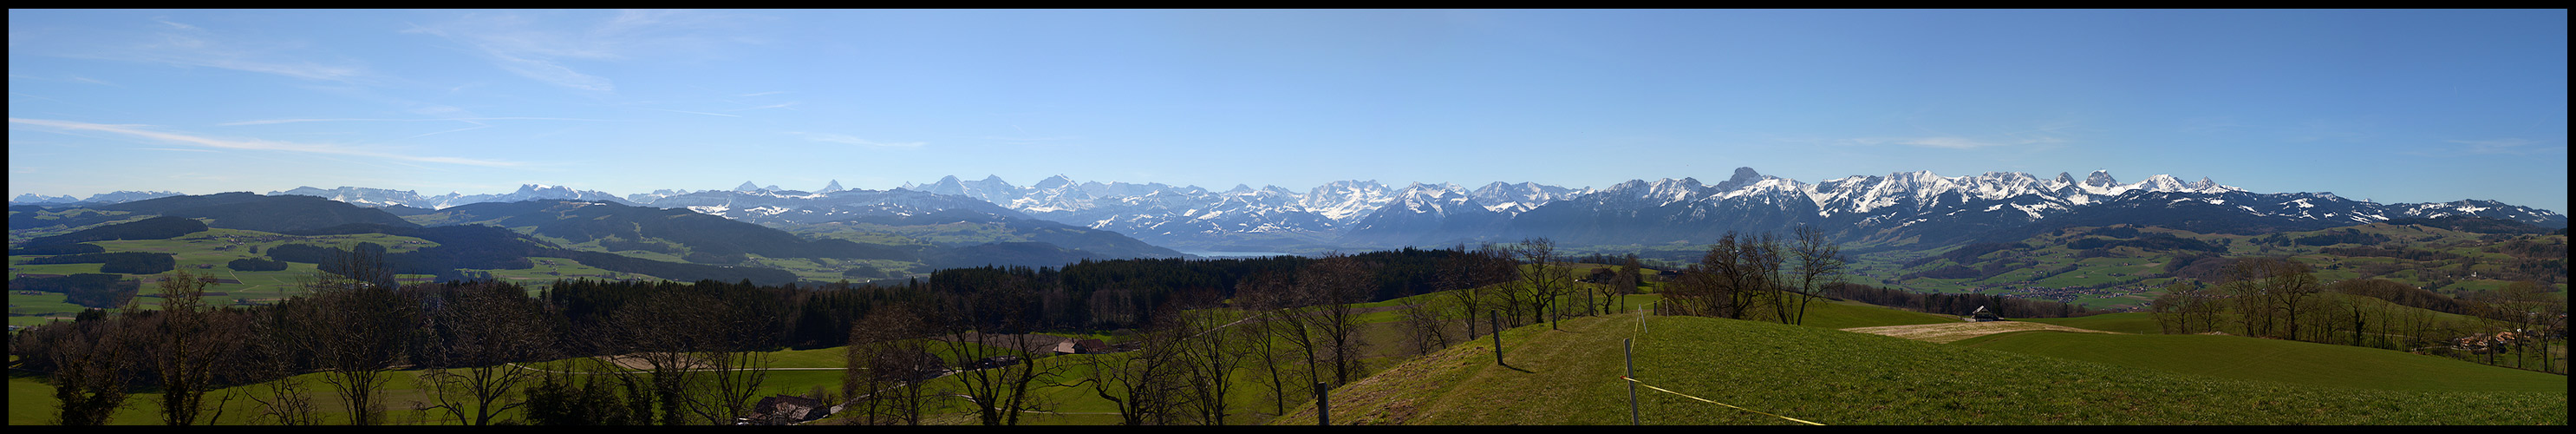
(1641, 332)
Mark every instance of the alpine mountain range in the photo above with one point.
(1905, 208)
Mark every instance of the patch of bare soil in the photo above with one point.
(1033, 343)
(1953, 332)
(637, 362)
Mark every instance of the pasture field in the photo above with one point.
(48, 223)
(1832, 377)
(1570, 376)
(210, 251)
(548, 269)
(1840, 315)
(811, 269)
(1955, 331)
(829, 269)
(2124, 322)
(2051, 253)
(40, 308)
(31, 402)
(2273, 360)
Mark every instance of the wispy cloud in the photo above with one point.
(69, 78)
(143, 132)
(2210, 125)
(771, 106)
(2332, 129)
(469, 120)
(180, 26)
(696, 113)
(181, 44)
(1943, 142)
(1024, 138)
(546, 52)
(845, 139)
(2506, 146)
(2043, 134)
(475, 127)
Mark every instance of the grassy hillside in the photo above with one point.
(205, 252)
(2121, 267)
(2126, 322)
(1846, 314)
(209, 252)
(1832, 377)
(2274, 360)
(31, 400)
(1812, 372)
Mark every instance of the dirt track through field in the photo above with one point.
(1952, 332)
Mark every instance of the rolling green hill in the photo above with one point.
(2121, 267)
(1816, 373)
(2274, 360)
(1841, 378)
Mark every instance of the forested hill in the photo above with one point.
(248, 211)
(466, 247)
(155, 228)
(580, 222)
(935, 240)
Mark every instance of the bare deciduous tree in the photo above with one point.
(1144, 384)
(1424, 326)
(365, 324)
(2270, 294)
(1335, 284)
(1210, 353)
(1741, 276)
(484, 328)
(1820, 262)
(279, 345)
(191, 341)
(1541, 274)
(93, 365)
(989, 331)
(888, 360)
(1281, 340)
(1461, 276)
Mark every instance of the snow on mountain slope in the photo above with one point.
(1900, 205)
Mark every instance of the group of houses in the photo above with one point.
(791, 410)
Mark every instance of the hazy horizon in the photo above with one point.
(2391, 106)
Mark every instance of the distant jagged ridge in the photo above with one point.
(377, 197)
(1918, 206)
(1904, 207)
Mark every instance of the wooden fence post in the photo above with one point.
(1629, 347)
(1323, 404)
(1496, 323)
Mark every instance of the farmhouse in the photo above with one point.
(914, 366)
(1983, 315)
(996, 362)
(785, 410)
(1081, 346)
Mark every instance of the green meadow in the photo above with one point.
(1571, 376)
(2273, 360)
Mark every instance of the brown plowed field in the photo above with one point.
(1952, 332)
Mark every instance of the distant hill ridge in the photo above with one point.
(1904, 208)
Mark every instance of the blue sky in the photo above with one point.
(2394, 106)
